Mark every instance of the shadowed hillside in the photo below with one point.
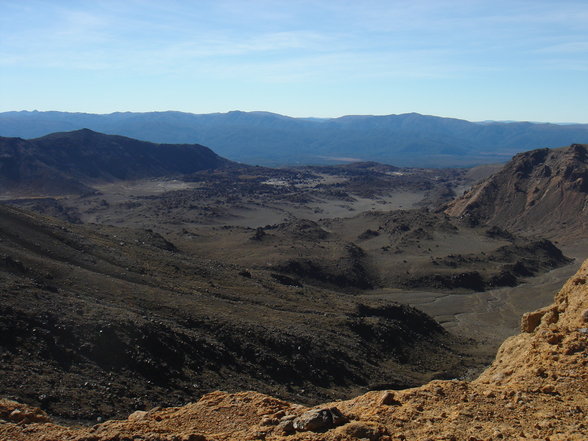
(69, 162)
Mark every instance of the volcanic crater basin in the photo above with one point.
(282, 281)
(98, 321)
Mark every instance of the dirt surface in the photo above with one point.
(490, 316)
(252, 196)
(535, 389)
(410, 249)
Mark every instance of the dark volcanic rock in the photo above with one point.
(285, 280)
(352, 275)
(471, 280)
(318, 420)
(303, 229)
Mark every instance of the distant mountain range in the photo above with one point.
(270, 139)
(70, 162)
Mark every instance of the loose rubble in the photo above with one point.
(536, 389)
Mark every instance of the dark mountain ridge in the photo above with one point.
(269, 139)
(69, 162)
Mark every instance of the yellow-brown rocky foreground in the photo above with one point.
(536, 389)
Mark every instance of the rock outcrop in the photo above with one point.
(543, 191)
(536, 389)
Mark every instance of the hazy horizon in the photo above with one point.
(299, 117)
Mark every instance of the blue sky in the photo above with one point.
(476, 60)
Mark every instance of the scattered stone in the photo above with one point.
(316, 420)
(550, 317)
(137, 415)
(554, 338)
(532, 319)
(16, 415)
(28, 416)
(286, 425)
(194, 437)
(269, 421)
(363, 430)
(388, 399)
(259, 434)
(497, 434)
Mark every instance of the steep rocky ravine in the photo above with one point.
(537, 388)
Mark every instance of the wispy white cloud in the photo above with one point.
(572, 47)
(99, 35)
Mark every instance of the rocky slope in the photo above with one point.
(96, 321)
(536, 389)
(70, 162)
(410, 249)
(542, 191)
